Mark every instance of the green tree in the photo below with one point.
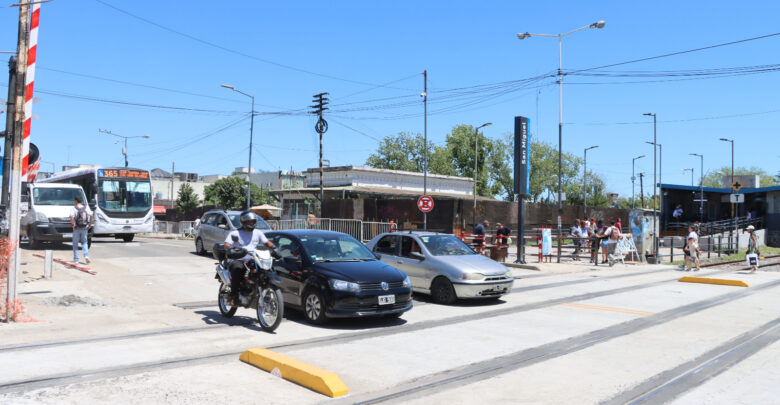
(230, 193)
(544, 175)
(400, 152)
(714, 178)
(187, 199)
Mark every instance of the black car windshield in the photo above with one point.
(56, 196)
(445, 245)
(335, 248)
(236, 220)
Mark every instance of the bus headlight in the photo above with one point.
(101, 218)
(149, 220)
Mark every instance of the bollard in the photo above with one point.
(47, 263)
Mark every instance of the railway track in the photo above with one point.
(102, 373)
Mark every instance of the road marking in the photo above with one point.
(610, 309)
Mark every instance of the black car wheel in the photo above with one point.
(199, 247)
(442, 291)
(128, 237)
(314, 307)
(34, 243)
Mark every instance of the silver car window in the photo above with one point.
(409, 245)
(387, 245)
(445, 245)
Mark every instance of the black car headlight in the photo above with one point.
(341, 285)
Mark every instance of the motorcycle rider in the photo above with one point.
(248, 238)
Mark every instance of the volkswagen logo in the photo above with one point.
(385, 286)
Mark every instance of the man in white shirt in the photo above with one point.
(692, 234)
(81, 220)
(248, 238)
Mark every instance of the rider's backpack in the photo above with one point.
(82, 218)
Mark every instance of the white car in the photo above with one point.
(48, 213)
(443, 266)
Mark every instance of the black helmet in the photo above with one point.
(248, 220)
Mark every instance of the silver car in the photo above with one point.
(442, 266)
(215, 225)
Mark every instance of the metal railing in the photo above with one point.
(720, 226)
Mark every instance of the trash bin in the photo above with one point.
(498, 253)
(651, 259)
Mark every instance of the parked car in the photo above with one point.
(443, 266)
(215, 225)
(48, 214)
(332, 275)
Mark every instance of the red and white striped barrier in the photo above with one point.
(72, 265)
(29, 79)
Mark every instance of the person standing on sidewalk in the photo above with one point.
(753, 246)
(81, 220)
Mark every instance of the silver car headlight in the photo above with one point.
(509, 274)
(41, 217)
(472, 276)
(407, 283)
(341, 285)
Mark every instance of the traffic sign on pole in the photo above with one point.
(736, 185)
(425, 203)
(737, 198)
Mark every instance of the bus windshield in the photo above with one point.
(56, 196)
(124, 195)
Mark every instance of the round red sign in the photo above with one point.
(425, 203)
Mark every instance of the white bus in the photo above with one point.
(119, 197)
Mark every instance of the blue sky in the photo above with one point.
(349, 48)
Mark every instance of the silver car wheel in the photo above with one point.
(313, 307)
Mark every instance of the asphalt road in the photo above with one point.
(145, 329)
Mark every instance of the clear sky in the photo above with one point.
(284, 52)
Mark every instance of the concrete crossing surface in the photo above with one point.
(146, 329)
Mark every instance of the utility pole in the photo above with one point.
(320, 101)
(425, 138)
(641, 189)
(173, 169)
(9, 130)
(14, 216)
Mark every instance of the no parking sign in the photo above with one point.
(425, 203)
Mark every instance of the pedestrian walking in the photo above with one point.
(692, 253)
(479, 235)
(576, 233)
(752, 247)
(81, 220)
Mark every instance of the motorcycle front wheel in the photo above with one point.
(270, 308)
(222, 302)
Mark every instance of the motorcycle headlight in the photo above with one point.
(342, 285)
(41, 217)
(407, 283)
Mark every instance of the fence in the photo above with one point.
(360, 230)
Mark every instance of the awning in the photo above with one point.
(159, 209)
(267, 207)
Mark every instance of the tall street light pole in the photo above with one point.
(691, 170)
(732, 179)
(633, 180)
(598, 24)
(701, 186)
(124, 150)
(584, 182)
(476, 159)
(425, 141)
(251, 133)
(656, 228)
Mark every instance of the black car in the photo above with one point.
(332, 275)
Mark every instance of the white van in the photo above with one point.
(48, 214)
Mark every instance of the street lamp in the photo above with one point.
(633, 181)
(691, 169)
(597, 24)
(476, 156)
(251, 130)
(732, 179)
(701, 186)
(584, 184)
(124, 149)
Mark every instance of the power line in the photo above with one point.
(239, 53)
(717, 117)
(675, 53)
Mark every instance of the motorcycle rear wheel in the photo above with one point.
(222, 302)
(270, 308)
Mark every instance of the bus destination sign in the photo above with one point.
(132, 174)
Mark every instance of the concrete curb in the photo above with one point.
(522, 266)
(720, 281)
(309, 376)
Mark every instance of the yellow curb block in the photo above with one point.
(309, 376)
(721, 281)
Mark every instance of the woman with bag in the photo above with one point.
(752, 249)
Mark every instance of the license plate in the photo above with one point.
(67, 235)
(386, 299)
(499, 288)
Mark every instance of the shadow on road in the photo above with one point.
(297, 316)
(215, 318)
(423, 299)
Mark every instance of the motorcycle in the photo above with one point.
(260, 288)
